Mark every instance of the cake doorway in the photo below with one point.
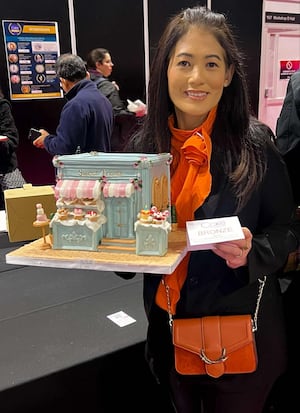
(120, 210)
(120, 223)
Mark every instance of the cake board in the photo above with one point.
(32, 254)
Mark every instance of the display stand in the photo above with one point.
(35, 255)
(43, 224)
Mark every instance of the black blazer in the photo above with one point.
(211, 287)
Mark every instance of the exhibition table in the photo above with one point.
(54, 319)
(54, 308)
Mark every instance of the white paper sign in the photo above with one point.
(121, 319)
(203, 234)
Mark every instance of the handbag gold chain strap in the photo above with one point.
(261, 286)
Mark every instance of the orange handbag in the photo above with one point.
(216, 345)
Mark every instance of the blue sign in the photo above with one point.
(32, 49)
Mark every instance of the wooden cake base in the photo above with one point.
(32, 254)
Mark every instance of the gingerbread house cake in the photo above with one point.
(99, 199)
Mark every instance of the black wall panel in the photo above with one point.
(118, 26)
(246, 19)
(35, 164)
(160, 12)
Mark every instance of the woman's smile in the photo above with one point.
(196, 95)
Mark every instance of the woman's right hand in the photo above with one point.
(235, 252)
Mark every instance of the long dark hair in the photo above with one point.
(237, 147)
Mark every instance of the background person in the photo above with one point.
(288, 132)
(86, 120)
(285, 394)
(10, 175)
(100, 66)
(224, 164)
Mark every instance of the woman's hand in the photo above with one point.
(235, 252)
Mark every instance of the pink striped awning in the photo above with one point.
(72, 189)
(118, 190)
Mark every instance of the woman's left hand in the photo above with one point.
(235, 252)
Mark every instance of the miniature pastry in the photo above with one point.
(40, 213)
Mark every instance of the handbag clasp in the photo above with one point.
(207, 360)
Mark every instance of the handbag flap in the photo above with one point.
(212, 334)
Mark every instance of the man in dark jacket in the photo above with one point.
(86, 120)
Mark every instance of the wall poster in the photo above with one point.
(32, 49)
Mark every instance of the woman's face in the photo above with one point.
(105, 67)
(197, 74)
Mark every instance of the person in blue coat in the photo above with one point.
(86, 119)
(225, 163)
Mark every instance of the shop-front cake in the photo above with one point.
(100, 199)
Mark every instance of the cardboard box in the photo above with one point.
(20, 206)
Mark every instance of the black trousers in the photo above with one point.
(240, 393)
(244, 393)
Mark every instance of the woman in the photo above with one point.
(100, 65)
(10, 175)
(224, 164)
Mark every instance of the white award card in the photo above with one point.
(203, 234)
